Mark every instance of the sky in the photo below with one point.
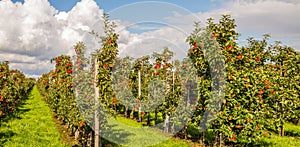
(109, 5)
(34, 31)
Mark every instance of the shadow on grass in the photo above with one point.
(115, 136)
(292, 133)
(18, 112)
(7, 134)
(262, 143)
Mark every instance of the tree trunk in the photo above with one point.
(76, 135)
(155, 118)
(184, 131)
(220, 140)
(126, 109)
(282, 122)
(148, 119)
(172, 128)
(131, 114)
(216, 139)
(89, 142)
(139, 114)
(203, 138)
(282, 129)
(166, 124)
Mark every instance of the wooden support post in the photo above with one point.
(140, 93)
(96, 119)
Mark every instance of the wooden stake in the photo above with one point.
(140, 93)
(96, 121)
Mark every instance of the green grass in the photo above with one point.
(292, 130)
(131, 133)
(127, 132)
(285, 141)
(292, 138)
(31, 125)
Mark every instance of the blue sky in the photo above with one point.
(109, 5)
(34, 32)
(114, 8)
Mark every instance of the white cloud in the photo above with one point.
(253, 19)
(255, 1)
(273, 16)
(279, 18)
(34, 32)
(257, 17)
(145, 43)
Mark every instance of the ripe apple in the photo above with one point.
(215, 35)
(239, 57)
(257, 59)
(105, 66)
(195, 45)
(115, 101)
(229, 47)
(267, 82)
(261, 91)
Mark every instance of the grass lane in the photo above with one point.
(292, 138)
(31, 125)
(127, 132)
(131, 133)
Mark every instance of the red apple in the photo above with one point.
(267, 82)
(257, 59)
(261, 91)
(105, 66)
(115, 101)
(239, 57)
(215, 35)
(195, 45)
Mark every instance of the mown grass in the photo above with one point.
(292, 138)
(131, 133)
(31, 125)
(278, 141)
(292, 130)
(127, 132)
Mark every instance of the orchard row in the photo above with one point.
(14, 87)
(241, 93)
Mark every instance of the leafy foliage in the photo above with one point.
(257, 94)
(241, 93)
(14, 86)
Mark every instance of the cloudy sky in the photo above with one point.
(34, 31)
